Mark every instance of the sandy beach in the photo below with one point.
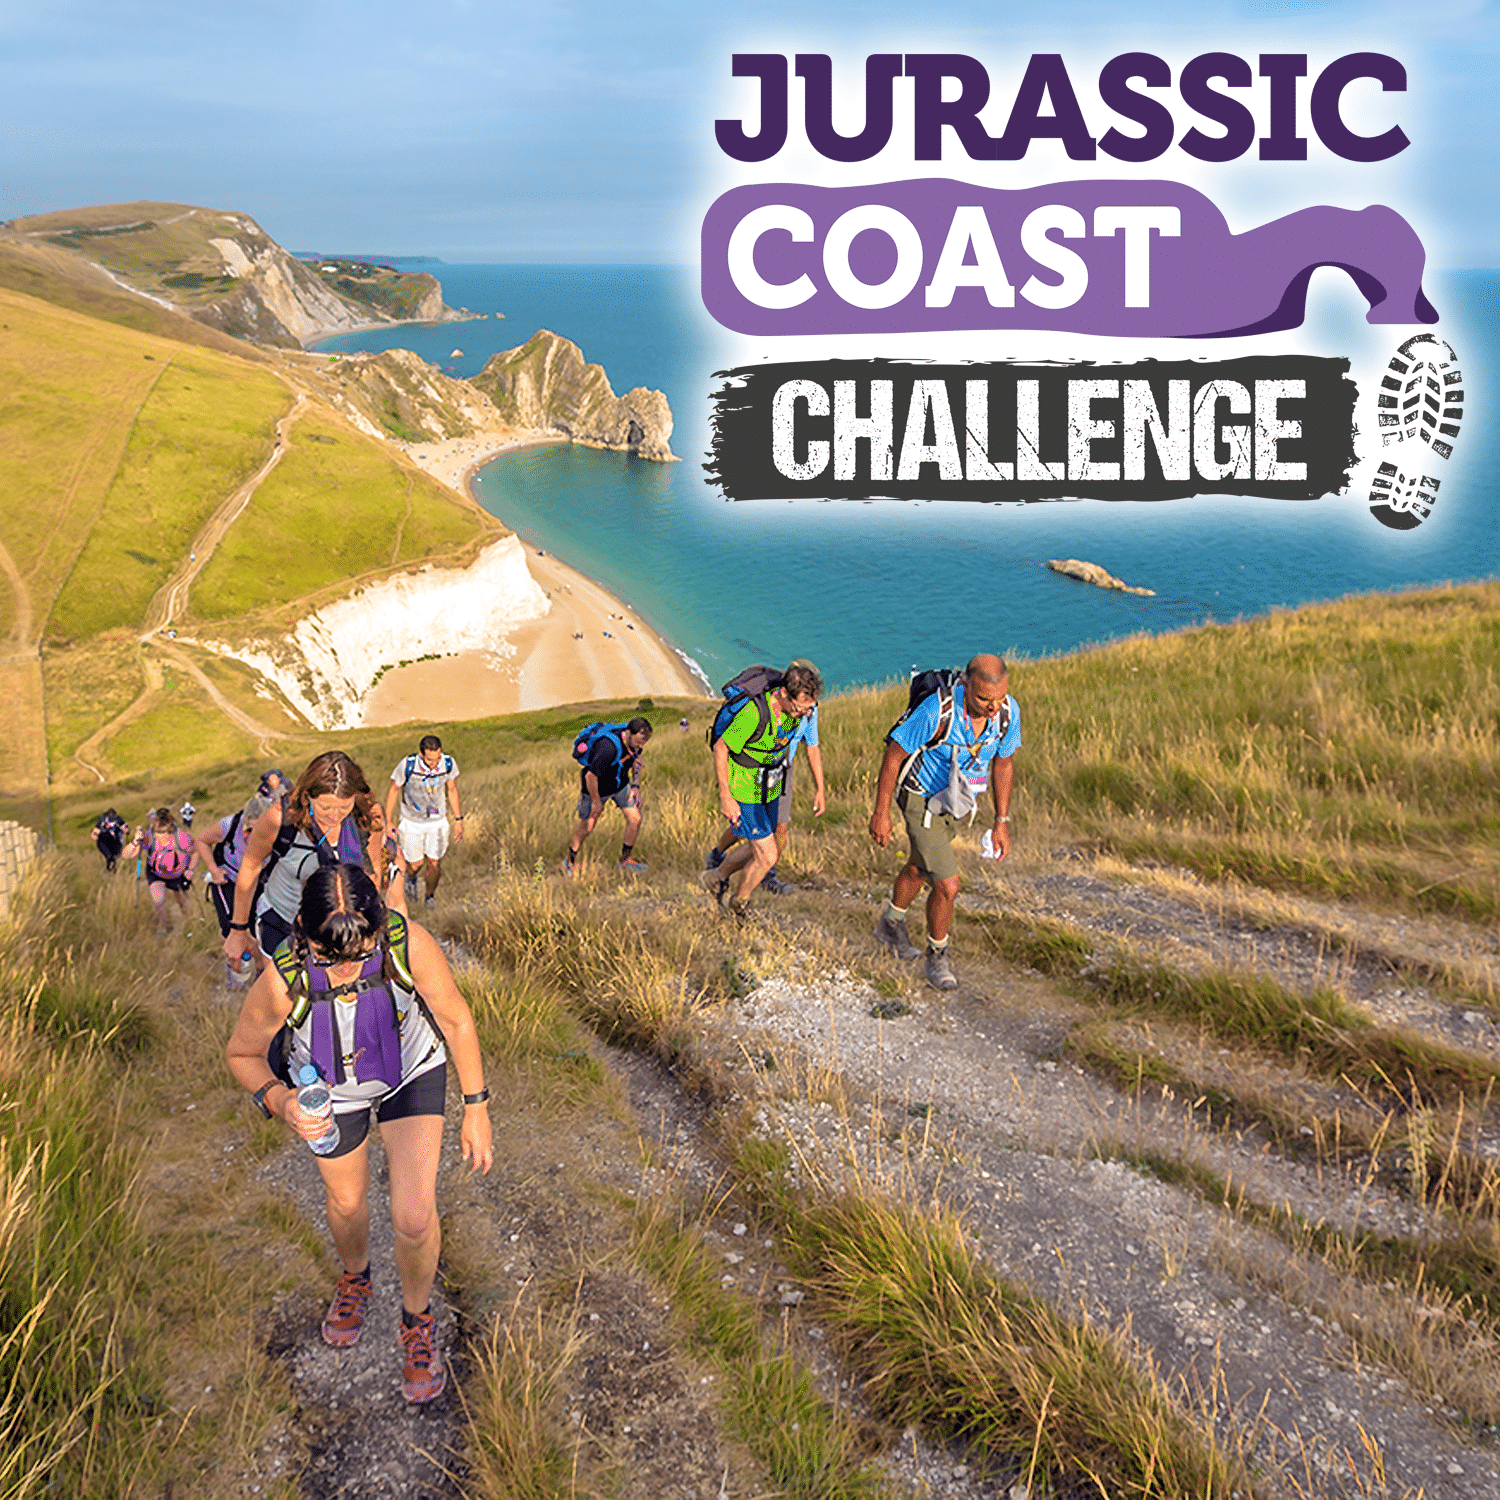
(589, 645)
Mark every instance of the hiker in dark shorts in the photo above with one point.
(221, 849)
(408, 1015)
(330, 818)
(611, 773)
(109, 835)
(949, 747)
(170, 857)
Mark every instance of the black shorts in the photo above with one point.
(173, 882)
(273, 930)
(426, 1094)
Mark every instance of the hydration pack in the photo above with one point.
(168, 862)
(376, 1051)
(591, 734)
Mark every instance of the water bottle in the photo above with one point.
(314, 1097)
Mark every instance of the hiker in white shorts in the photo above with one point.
(420, 786)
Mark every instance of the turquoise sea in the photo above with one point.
(868, 590)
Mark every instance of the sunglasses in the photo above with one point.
(332, 961)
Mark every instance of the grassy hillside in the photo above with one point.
(126, 449)
(206, 426)
(70, 390)
(1336, 747)
(335, 508)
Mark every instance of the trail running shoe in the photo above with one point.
(632, 866)
(740, 911)
(894, 935)
(570, 866)
(411, 887)
(940, 973)
(776, 885)
(423, 1376)
(718, 889)
(346, 1313)
(714, 858)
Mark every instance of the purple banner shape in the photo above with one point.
(1148, 259)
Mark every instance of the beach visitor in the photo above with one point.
(110, 833)
(806, 734)
(170, 857)
(610, 758)
(956, 738)
(419, 785)
(330, 818)
(751, 738)
(352, 970)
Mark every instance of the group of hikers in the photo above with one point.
(953, 746)
(312, 883)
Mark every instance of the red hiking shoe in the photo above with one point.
(423, 1377)
(346, 1313)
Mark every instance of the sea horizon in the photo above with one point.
(869, 590)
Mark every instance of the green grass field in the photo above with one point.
(336, 507)
(69, 391)
(207, 425)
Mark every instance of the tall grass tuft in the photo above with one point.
(944, 1343)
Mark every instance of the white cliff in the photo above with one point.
(332, 658)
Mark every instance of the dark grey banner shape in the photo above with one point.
(742, 461)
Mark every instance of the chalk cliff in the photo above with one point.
(545, 385)
(223, 269)
(333, 656)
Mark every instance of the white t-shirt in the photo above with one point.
(423, 799)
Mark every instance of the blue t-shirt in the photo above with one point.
(975, 755)
(807, 734)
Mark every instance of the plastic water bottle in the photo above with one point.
(314, 1097)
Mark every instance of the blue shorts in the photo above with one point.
(757, 821)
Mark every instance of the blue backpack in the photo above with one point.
(590, 735)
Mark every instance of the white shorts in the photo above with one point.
(421, 841)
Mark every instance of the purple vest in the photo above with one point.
(377, 1041)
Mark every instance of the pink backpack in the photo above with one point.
(167, 862)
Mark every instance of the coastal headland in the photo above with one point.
(246, 542)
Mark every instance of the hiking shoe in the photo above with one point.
(894, 935)
(411, 887)
(423, 1376)
(711, 883)
(632, 866)
(346, 1313)
(429, 900)
(940, 973)
(714, 859)
(570, 866)
(776, 885)
(740, 911)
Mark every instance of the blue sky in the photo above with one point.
(577, 130)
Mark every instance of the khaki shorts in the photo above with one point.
(932, 846)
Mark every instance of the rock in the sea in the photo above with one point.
(1087, 572)
(546, 385)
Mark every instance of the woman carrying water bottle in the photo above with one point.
(368, 1000)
